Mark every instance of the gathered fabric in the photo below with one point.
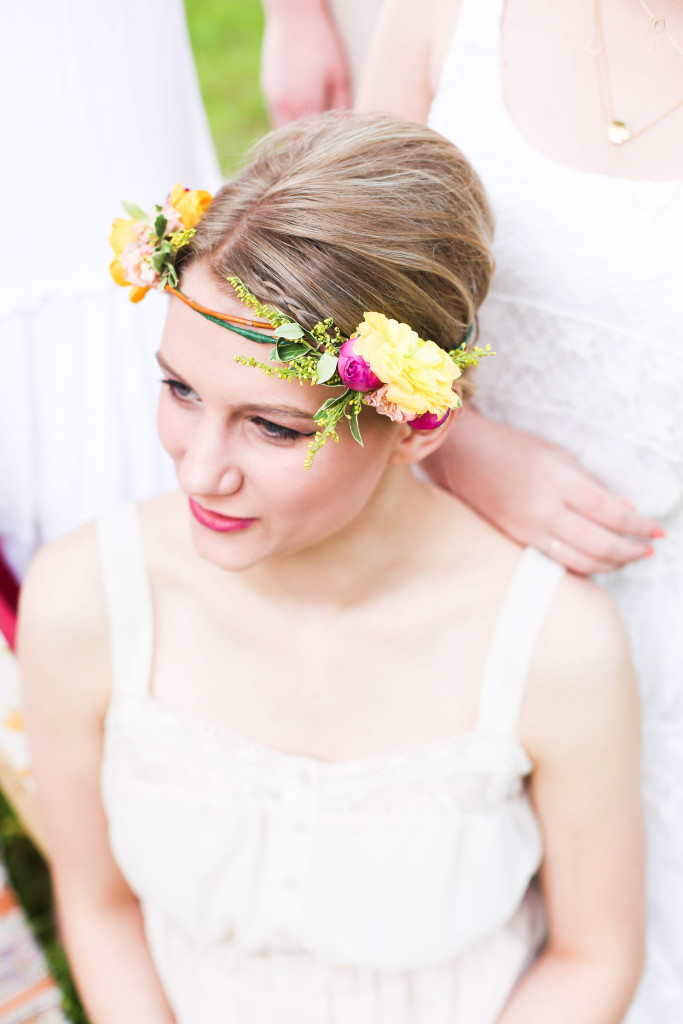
(281, 888)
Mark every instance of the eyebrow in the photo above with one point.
(271, 410)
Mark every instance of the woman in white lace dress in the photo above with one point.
(585, 312)
(340, 722)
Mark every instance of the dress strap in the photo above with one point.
(128, 598)
(524, 608)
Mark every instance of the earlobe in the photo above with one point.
(416, 445)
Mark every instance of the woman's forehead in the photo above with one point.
(202, 355)
(201, 285)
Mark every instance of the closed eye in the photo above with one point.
(276, 430)
(179, 390)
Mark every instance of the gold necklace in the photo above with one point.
(659, 28)
(618, 131)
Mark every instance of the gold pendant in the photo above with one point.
(618, 132)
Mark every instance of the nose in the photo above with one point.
(209, 464)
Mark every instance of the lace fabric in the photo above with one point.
(585, 314)
(161, 747)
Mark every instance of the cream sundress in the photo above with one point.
(284, 889)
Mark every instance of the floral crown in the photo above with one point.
(384, 364)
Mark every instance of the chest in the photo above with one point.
(329, 686)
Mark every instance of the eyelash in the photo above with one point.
(176, 387)
(270, 429)
(276, 430)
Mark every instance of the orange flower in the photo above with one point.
(122, 233)
(190, 204)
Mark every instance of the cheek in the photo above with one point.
(334, 490)
(170, 426)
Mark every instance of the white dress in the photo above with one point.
(284, 889)
(586, 315)
(100, 103)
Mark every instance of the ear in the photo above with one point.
(416, 445)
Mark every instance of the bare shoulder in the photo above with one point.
(63, 592)
(414, 43)
(63, 629)
(582, 677)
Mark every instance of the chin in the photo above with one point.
(231, 552)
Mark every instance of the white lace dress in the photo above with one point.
(282, 889)
(100, 103)
(586, 314)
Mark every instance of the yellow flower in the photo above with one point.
(122, 233)
(191, 205)
(419, 375)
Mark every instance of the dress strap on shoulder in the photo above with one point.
(524, 608)
(128, 597)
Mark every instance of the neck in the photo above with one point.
(371, 555)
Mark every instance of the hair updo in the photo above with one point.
(342, 213)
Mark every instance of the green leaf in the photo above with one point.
(134, 211)
(160, 225)
(290, 331)
(341, 400)
(355, 429)
(286, 351)
(327, 367)
(158, 262)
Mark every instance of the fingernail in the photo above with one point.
(649, 553)
(658, 533)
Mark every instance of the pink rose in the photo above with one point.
(173, 218)
(429, 421)
(355, 371)
(377, 399)
(136, 260)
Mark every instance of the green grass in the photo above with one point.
(226, 39)
(31, 881)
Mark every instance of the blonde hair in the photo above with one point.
(342, 213)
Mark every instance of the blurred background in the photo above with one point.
(226, 36)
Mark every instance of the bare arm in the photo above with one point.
(581, 726)
(303, 65)
(539, 494)
(396, 79)
(64, 654)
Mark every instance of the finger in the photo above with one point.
(595, 502)
(573, 559)
(603, 545)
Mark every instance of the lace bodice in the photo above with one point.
(395, 863)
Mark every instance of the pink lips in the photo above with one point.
(217, 522)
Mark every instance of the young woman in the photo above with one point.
(304, 738)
